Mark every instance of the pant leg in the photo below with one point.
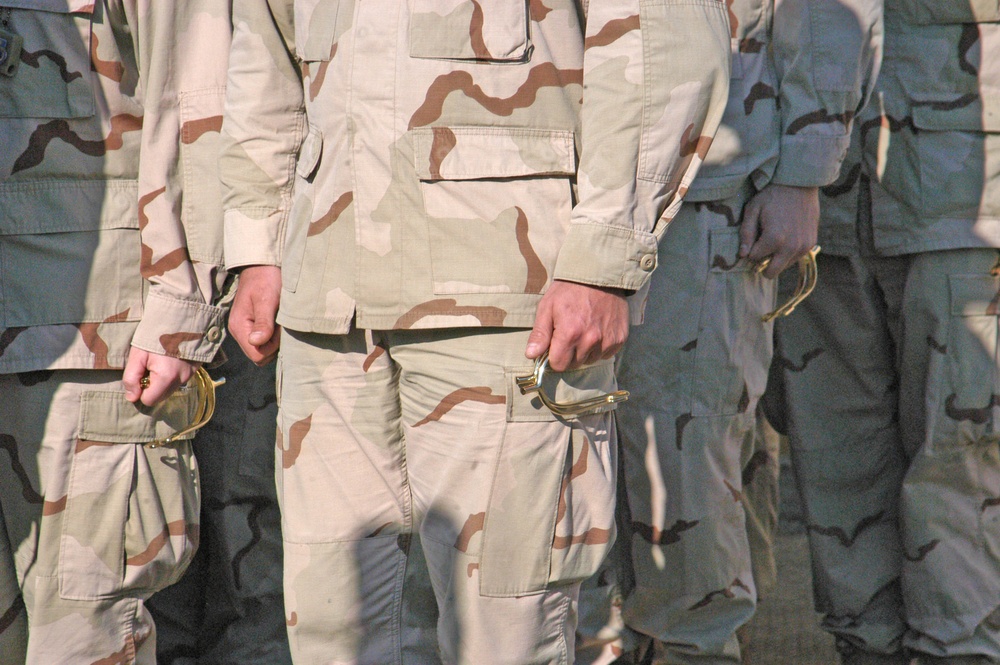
(97, 523)
(760, 502)
(950, 410)
(838, 358)
(13, 620)
(695, 369)
(228, 607)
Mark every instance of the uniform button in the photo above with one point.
(214, 334)
(648, 262)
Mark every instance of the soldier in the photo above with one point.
(227, 609)
(110, 258)
(460, 167)
(699, 363)
(890, 368)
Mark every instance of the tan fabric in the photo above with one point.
(96, 525)
(110, 221)
(425, 502)
(448, 163)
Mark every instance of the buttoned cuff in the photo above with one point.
(253, 237)
(180, 328)
(606, 256)
(810, 161)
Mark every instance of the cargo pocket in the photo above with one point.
(733, 344)
(485, 31)
(58, 268)
(968, 399)
(498, 203)
(550, 518)
(131, 520)
(53, 79)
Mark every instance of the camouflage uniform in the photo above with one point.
(891, 369)
(699, 364)
(437, 147)
(109, 238)
(227, 609)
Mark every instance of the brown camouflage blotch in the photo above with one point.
(819, 117)
(379, 530)
(43, 135)
(489, 317)
(690, 346)
(749, 45)
(481, 394)
(117, 658)
(120, 124)
(960, 103)
(979, 416)
(734, 20)
(8, 336)
(316, 84)
(896, 124)
(8, 618)
(169, 261)
(171, 342)
(922, 551)
(476, 38)
(726, 211)
(92, 340)
(735, 493)
(679, 425)
(727, 593)
(118, 318)
(935, 346)
(844, 184)
(33, 59)
(472, 567)
(54, 507)
(537, 10)
(444, 142)
(84, 444)
(577, 469)
(144, 201)
(109, 69)
(376, 353)
(990, 503)
(537, 274)
(968, 39)
(292, 620)
(807, 358)
(744, 402)
(654, 536)
(332, 215)
(758, 92)
(473, 525)
(296, 434)
(841, 535)
(593, 536)
(612, 32)
(544, 75)
(156, 545)
(698, 145)
(722, 263)
(192, 130)
(993, 309)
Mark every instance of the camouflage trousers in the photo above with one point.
(94, 523)
(891, 382)
(227, 609)
(695, 369)
(430, 512)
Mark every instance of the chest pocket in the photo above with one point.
(53, 78)
(487, 30)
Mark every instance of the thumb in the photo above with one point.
(135, 369)
(541, 333)
(750, 228)
(263, 325)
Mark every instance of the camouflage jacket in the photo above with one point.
(801, 71)
(110, 209)
(437, 163)
(933, 139)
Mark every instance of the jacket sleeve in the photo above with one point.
(263, 129)
(827, 54)
(181, 52)
(656, 79)
(939, 12)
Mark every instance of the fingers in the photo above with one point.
(749, 228)
(579, 325)
(151, 378)
(541, 333)
(252, 318)
(135, 370)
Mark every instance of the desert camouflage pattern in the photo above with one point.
(430, 512)
(699, 364)
(898, 347)
(448, 164)
(227, 609)
(933, 138)
(97, 521)
(110, 229)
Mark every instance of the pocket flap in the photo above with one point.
(309, 153)
(471, 153)
(725, 251)
(108, 417)
(981, 114)
(575, 385)
(55, 6)
(974, 295)
(466, 30)
(316, 27)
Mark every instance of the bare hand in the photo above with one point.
(578, 324)
(782, 223)
(165, 374)
(251, 320)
